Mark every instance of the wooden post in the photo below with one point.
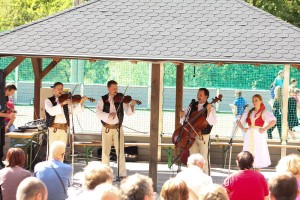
(37, 69)
(179, 93)
(156, 119)
(285, 91)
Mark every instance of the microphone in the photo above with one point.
(192, 102)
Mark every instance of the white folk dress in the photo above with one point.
(256, 142)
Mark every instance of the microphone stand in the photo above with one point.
(231, 140)
(180, 136)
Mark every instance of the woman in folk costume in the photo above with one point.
(254, 124)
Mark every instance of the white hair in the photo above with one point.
(195, 159)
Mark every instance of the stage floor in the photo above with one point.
(163, 173)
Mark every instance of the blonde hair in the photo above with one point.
(289, 163)
(57, 148)
(106, 191)
(174, 189)
(96, 173)
(215, 192)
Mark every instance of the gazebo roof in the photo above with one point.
(159, 30)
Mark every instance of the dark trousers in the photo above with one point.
(2, 141)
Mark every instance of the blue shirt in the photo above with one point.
(45, 173)
(240, 103)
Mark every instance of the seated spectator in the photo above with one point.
(246, 183)
(290, 163)
(54, 173)
(95, 173)
(137, 187)
(195, 165)
(32, 189)
(175, 189)
(283, 186)
(12, 175)
(9, 126)
(106, 191)
(215, 192)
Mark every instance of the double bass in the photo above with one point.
(184, 137)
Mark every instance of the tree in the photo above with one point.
(287, 10)
(14, 13)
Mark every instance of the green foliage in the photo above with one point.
(287, 10)
(14, 13)
(96, 72)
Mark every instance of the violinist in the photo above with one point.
(8, 91)
(111, 113)
(201, 141)
(58, 114)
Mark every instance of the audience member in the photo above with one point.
(292, 115)
(31, 188)
(12, 175)
(290, 163)
(137, 187)
(195, 164)
(246, 183)
(175, 189)
(106, 191)
(215, 192)
(54, 173)
(278, 81)
(283, 186)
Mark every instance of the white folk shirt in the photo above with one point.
(58, 111)
(105, 116)
(211, 118)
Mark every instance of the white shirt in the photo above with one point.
(195, 179)
(58, 111)
(211, 118)
(105, 116)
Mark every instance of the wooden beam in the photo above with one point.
(13, 65)
(37, 70)
(179, 93)
(155, 119)
(50, 67)
(285, 127)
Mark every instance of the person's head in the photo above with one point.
(245, 160)
(257, 101)
(31, 188)
(280, 73)
(174, 189)
(215, 192)
(289, 163)
(293, 82)
(58, 89)
(106, 191)
(238, 93)
(283, 186)
(10, 90)
(96, 173)
(196, 160)
(137, 186)
(112, 87)
(278, 93)
(57, 150)
(202, 95)
(15, 157)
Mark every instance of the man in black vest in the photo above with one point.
(201, 143)
(8, 91)
(57, 114)
(111, 114)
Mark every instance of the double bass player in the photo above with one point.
(201, 142)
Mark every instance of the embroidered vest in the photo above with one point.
(50, 119)
(208, 128)
(258, 122)
(106, 108)
(3, 110)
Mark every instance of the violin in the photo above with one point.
(75, 98)
(185, 136)
(125, 99)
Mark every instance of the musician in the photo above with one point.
(8, 91)
(201, 143)
(58, 114)
(111, 114)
